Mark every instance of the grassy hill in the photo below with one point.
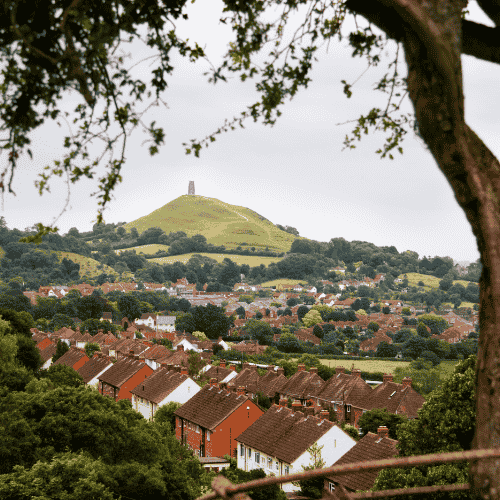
(88, 267)
(146, 249)
(251, 260)
(221, 223)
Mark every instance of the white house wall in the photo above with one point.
(95, 381)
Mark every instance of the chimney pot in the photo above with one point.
(301, 367)
(281, 371)
(296, 404)
(406, 382)
(232, 367)
(313, 369)
(383, 432)
(270, 368)
(184, 370)
(213, 382)
(180, 347)
(222, 363)
(324, 414)
(240, 391)
(283, 402)
(387, 377)
(339, 369)
(356, 372)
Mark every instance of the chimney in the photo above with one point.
(301, 367)
(324, 414)
(296, 405)
(281, 371)
(131, 352)
(164, 365)
(313, 369)
(177, 368)
(356, 372)
(240, 391)
(184, 370)
(339, 369)
(270, 368)
(387, 377)
(180, 347)
(245, 365)
(383, 432)
(406, 382)
(213, 382)
(283, 402)
(170, 366)
(232, 367)
(222, 363)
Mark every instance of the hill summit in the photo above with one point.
(220, 223)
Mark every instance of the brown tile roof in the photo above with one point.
(217, 373)
(247, 378)
(303, 384)
(284, 434)
(349, 388)
(211, 406)
(271, 383)
(396, 398)
(121, 371)
(94, 366)
(370, 447)
(71, 357)
(48, 352)
(159, 385)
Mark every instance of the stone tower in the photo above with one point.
(191, 188)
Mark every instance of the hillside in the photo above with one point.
(251, 260)
(221, 223)
(88, 267)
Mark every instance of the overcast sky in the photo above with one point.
(294, 173)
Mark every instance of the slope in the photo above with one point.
(221, 223)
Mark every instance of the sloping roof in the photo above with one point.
(159, 385)
(284, 434)
(247, 378)
(217, 373)
(349, 388)
(210, 406)
(71, 357)
(165, 320)
(396, 398)
(121, 371)
(93, 367)
(48, 352)
(370, 447)
(303, 384)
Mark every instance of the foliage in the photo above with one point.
(166, 414)
(313, 488)
(425, 378)
(91, 348)
(312, 318)
(62, 376)
(385, 350)
(351, 430)
(61, 349)
(260, 331)
(372, 419)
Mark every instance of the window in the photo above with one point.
(287, 469)
(269, 463)
(348, 408)
(277, 466)
(208, 435)
(335, 406)
(250, 453)
(242, 450)
(331, 487)
(257, 457)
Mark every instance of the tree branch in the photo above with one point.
(481, 41)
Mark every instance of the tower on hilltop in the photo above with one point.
(191, 188)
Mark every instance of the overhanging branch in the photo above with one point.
(481, 41)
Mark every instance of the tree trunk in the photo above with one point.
(430, 32)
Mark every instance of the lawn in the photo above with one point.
(283, 282)
(88, 267)
(366, 365)
(145, 249)
(430, 282)
(251, 260)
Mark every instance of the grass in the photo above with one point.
(283, 282)
(145, 249)
(251, 260)
(221, 223)
(366, 365)
(430, 282)
(88, 267)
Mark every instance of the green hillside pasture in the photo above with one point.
(251, 260)
(88, 266)
(429, 281)
(221, 223)
(283, 281)
(145, 249)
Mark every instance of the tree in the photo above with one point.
(453, 431)
(288, 342)
(165, 414)
(372, 419)
(423, 331)
(63, 376)
(313, 317)
(313, 488)
(425, 378)
(385, 350)
(43, 63)
(129, 306)
(61, 349)
(259, 331)
(373, 326)
(91, 348)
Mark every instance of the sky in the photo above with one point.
(294, 173)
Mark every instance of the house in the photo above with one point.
(278, 442)
(400, 399)
(148, 319)
(212, 419)
(162, 387)
(46, 355)
(303, 385)
(187, 345)
(371, 447)
(220, 373)
(95, 367)
(123, 376)
(107, 316)
(75, 358)
(165, 323)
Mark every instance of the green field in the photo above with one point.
(251, 260)
(430, 282)
(88, 266)
(283, 281)
(221, 223)
(145, 249)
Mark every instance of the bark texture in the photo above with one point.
(431, 34)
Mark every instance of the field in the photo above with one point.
(283, 282)
(145, 249)
(221, 223)
(430, 282)
(88, 266)
(251, 260)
